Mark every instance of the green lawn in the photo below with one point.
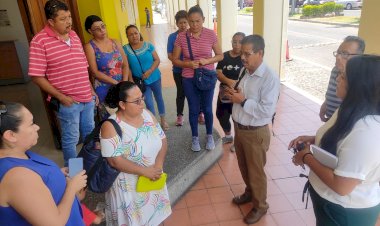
(334, 19)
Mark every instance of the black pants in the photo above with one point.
(180, 99)
(223, 113)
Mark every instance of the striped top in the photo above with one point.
(201, 48)
(332, 101)
(64, 64)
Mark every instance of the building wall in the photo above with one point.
(369, 29)
(87, 8)
(141, 10)
(16, 32)
(113, 13)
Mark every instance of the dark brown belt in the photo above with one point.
(243, 127)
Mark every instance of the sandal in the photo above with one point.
(164, 126)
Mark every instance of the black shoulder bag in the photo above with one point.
(204, 79)
(137, 80)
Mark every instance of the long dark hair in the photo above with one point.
(118, 93)
(10, 118)
(195, 9)
(362, 98)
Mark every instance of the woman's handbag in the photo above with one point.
(204, 79)
(138, 80)
(140, 83)
(145, 184)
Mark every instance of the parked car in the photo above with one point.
(316, 2)
(299, 3)
(350, 4)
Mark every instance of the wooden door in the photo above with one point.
(34, 15)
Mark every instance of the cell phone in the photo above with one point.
(75, 166)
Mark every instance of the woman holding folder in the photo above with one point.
(350, 193)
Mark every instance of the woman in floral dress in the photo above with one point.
(140, 152)
(107, 61)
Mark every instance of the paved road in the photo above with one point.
(354, 12)
(309, 41)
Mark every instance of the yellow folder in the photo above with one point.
(145, 184)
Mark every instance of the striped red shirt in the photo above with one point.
(201, 48)
(65, 66)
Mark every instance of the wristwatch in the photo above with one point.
(243, 102)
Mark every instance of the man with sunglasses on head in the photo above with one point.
(58, 65)
(254, 99)
(351, 46)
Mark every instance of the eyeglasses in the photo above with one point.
(99, 29)
(344, 55)
(246, 55)
(137, 101)
(3, 111)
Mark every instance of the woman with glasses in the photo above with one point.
(139, 152)
(143, 62)
(203, 42)
(33, 189)
(106, 58)
(350, 193)
(228, 73)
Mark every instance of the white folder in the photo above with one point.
(324, 157)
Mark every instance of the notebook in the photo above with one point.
(324, 157)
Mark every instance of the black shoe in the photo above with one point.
(242, 199)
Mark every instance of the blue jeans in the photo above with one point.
(198, 99)
(74, 119)
(156, 88)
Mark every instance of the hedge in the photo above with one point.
(322, 10)
(248, 9)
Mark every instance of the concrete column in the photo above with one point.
(368, 28)
(169, 12)
(206, 6)
(226, 13)
(181, 4)
(270, 20)
(190, 3)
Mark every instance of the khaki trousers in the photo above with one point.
(251, 147)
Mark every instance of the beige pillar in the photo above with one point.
(270, 20)
(206, 6)
(190, 3)
(226, 22)
(169, 12)
(368, 28)
(181, 4)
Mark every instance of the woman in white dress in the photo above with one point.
(140, 152)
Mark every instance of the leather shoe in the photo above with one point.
(254, 215)
(242, 199)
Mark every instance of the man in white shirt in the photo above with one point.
(254, 99)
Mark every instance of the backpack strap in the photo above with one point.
(116, 126)
(189, 47)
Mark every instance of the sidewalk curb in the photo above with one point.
(323, 22)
